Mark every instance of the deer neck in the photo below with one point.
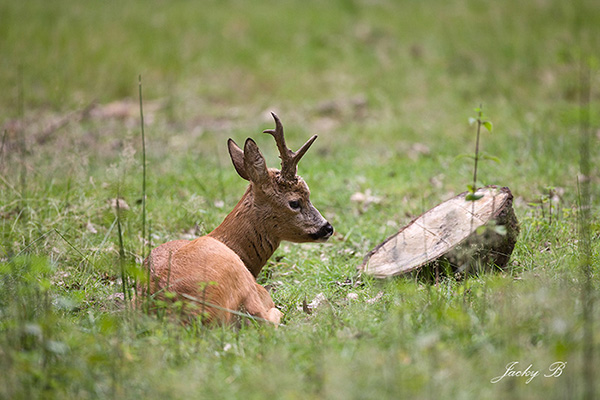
(248, 232)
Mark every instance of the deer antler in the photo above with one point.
(289, 158)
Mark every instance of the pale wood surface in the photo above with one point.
(438, 231)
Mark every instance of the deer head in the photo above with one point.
(280, 197)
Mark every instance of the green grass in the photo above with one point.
(372, 79)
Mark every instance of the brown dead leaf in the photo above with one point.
(365, 199)
(375, 299)
(437, 181)
(352, 296)
(91, 228)
(318, 301)
(126, 109)
(123, 206)
(417, 150)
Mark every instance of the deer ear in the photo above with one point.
(254, 162)
(237, 157)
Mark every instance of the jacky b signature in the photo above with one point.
(512, 371)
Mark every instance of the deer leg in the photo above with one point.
(258, 302)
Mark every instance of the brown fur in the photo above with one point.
(209, 271)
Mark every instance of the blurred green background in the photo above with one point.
(389, 86)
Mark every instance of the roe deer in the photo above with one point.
(220, 268)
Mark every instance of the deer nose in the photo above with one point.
(323, 233)
(327, 229)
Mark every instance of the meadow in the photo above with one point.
(389, 87)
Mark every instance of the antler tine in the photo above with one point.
(277, 133)
(300, 153)
(289, 159)
(288, 169)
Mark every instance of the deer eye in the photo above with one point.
(294, 205)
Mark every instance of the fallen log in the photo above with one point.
(457, 236)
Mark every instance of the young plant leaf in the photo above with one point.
(473, 197)
(488, 125)
(464, 155)
(500, 229)
(481, 230)
(484, 156)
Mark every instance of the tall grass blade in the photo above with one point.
(4, 135)
(22, 142)
(143, 166)
(121, 248)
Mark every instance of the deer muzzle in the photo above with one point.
(323, 233)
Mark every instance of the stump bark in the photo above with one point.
(457, 236)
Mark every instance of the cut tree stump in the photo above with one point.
(457, 236)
